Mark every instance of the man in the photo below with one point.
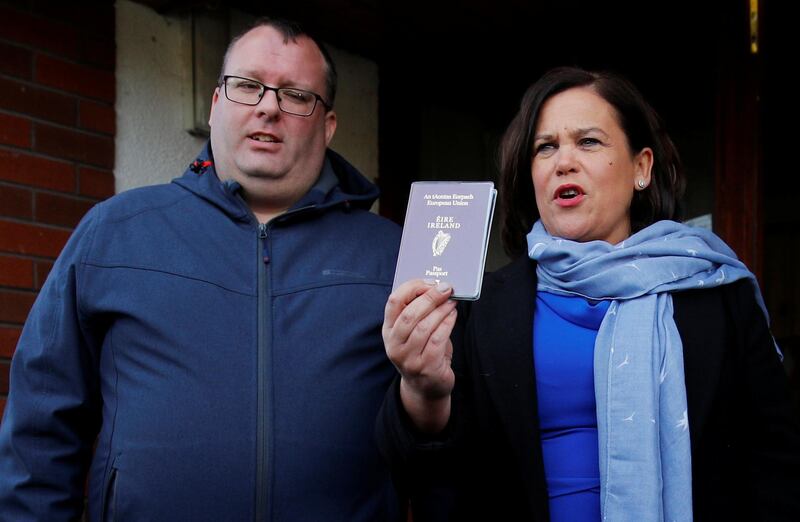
(210, 349)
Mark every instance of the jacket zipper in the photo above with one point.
(263, 404)
(264, 400)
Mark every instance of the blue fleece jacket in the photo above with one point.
(201, 367)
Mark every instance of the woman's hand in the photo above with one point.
(416, 332)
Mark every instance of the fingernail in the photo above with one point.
(443, 287)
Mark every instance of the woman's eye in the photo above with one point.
(544, 148)
(585, 142)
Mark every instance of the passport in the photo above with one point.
(446, 234)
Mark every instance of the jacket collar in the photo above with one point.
(339, 183)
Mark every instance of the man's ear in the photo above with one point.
(214, 100)
(330, 126)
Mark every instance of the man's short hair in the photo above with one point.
(290, 31)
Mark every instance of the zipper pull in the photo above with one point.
(262, 234)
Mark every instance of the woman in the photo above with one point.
(620, 369)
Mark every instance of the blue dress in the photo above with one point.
(565, 329)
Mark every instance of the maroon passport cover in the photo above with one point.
(446, 233)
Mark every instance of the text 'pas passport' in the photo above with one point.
(446, 234)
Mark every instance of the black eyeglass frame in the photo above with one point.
(265, 88)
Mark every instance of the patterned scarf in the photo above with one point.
(642, 418)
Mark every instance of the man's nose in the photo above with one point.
(269, 105)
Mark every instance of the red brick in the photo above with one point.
(47, 105)
(100, 53)
(22, 238)
(15, 130)
(16, 272)
(35, 171)
(15, 305)
(9, 337)
(16, 202)
(39, 32)
(75, 78)
(76, 146)
(60, 210)
(4, 369)
(16, 61)
(97, 117)
(42, 270)
(98, 16)
(95, 183)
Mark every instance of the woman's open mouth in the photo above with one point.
(568, 195)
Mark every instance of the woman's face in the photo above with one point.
(584, 173)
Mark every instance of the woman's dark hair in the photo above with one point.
(639, 122)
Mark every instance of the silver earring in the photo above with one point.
(641, 184)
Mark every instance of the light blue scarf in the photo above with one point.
(642, 419)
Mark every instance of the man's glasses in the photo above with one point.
(292, 101)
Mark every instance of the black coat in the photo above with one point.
(487, 465)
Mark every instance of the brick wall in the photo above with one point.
(57, 126)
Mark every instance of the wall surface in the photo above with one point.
(356, 109)
(152, 84)
(57, 128)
